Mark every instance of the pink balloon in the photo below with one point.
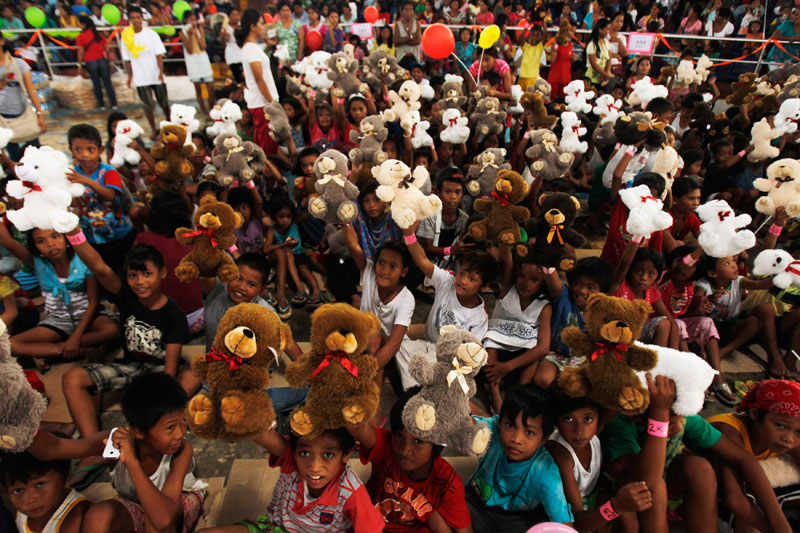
(551, 527)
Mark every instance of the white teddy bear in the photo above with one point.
(786, 118)
(314, 69)
(516, 94)
(571, 133)
(782, 186)
(691, 374)
(645, 90)
(778, 263)
(403, 101)
(667, 163)
(701, 71)
(426, 91)
(126, 133)
(647, 215)
(419, 131)
(762, 135)
(685, 72)
(720, 233)
(183, 115)
(608, 108)
(456, 129)
(6, 135)
(45, 190)
(576, 97)
(401, 187)
(225, 115)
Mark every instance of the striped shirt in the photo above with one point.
(344, 504)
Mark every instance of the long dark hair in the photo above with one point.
(596, 27)
(250, 18)
(89, 23)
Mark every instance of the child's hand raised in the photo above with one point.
(412, 229)
(662, 393)
(124, 441)
(634, 497)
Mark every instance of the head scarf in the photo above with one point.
(775, 395)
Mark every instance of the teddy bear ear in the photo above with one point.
(542, 197)
(239, 220)
(595, 299)
(576, 202)
(376, 171)
(450, 328)
(644, 308)
(285, 335)
(207, 199)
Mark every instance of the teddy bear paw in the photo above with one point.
(425, 417)
(301, 423)
(186, 168)
(793, 209)
(353, 414)
(568, 263)
(765, 205)
(318, 207)
(481, 440)
(477, 233)
(233, 410)
(228, 273)
(65, 222)
(7, 442)
(522, 250)
(471, 353)
(405, 218)
(248, 174)
(161, 167)
(200, 408)
(187, 272)
(631, 399)
(380, 157)
(508, 238)
(572, 383)
(473, 187)
(347, 211)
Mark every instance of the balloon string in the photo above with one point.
(480, 68)
(465, 67)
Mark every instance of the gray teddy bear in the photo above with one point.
(237, 160)
(343, 73)
(481, 176)
(381, 68)
(336, 203)
(440, 413)
(452, 94)
(279, 128)
(488, 118)
(370, 136)
(22, 408)
(548, 160)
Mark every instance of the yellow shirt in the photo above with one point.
(738, 424)
(531, 60)
(389, 50)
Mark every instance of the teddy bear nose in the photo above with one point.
(248, 333)
(553, 212)
(621, 324)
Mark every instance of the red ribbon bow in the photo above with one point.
(204, 231)
(576, 129)
(343, 360)
(126, 130)
(794, 268)
(453, 122)
(502, 197)
(723, 215)
(31, 185)
(612, 106)
(603, 347)
(234, 361)
(172, 146)
(645, 198)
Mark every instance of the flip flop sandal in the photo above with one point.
(300, 299)
(271, 300)
(724, 394)
(285, 312)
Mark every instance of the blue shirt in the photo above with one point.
(293, 233)
(519, 486)
(103, 221)
(565, 314)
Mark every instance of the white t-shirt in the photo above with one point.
(727, 31)
(398, 311)
(233, 54)
(145, 66)
(251, 53)
(447, 310)
(730, 304)
(636, 163)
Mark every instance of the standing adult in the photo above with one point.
(616, 43)
(92, 51)
(407, 32)
(143, 53)
(314, 23)
(233, 54)
(788, 30)
(13, 99)
(198, 65)
(692, 24)
(290, 31)
(261, 88)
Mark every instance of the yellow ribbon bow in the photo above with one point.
(458, 373)
(555, 229)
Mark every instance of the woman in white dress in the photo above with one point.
(198, 66)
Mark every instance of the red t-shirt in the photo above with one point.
(691, 224)
(677, 302)
(188, 295)
(407, 505)
(617, 237)
(346, 142)
(93, 48)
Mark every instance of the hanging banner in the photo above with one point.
(641, 43)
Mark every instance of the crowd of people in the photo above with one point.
(552, 457)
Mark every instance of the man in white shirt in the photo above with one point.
(144, 59)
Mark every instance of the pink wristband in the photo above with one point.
(637, 239)
(608, 512)
(775, 229)
(630, 153)
(617, 147)
(447, 251)
(233, 248)
(410, 239)
(688, 260)
(657, 429)
(76, 239)
(548, 270)
(742, 153)
(249, 184)
(386, 97)
(341, 100)
(527, 135)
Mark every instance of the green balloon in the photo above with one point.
(9, 35)
(169, 31)
(180, 7)
(111, 14)
(35, 17)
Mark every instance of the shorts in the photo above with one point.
(192, 503)
(649, 329)
(117, 376)
(262, 524)
(146, 93)
(302, 260)
(699, 329)
(564, 361)
(726, 328)
(64, 326)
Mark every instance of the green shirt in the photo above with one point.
(624, 435)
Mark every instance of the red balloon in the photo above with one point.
(371, 14)
(268, 18)
(314, 40)
(438, 41)
(212, 8)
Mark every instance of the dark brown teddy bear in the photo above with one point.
(215, 222)
(554, 229)
(338, 369)
(607, 376)
(170, 154)
(503, 218)
(249, 338)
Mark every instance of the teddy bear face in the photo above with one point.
(172, 134)
(785, 173)
(342, 327)
(491, 157)
(217, 216)
(717, 212)
(128, 128)
(331, 165)
(372, 125)
(253, 333)
(558, 208)
(341, 63)
(488, 104)
(450, 117)
(230, 112)
(410, 91)
(615, 320)
(512, 185)
(461, 345)
(542, 87)
(42, 165)
(182, 115)
(392, 172)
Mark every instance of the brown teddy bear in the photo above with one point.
(554, 229)
(503, 218)
(608, 375)
(533, 102)
(170, 153)
(743, 91)
(215, 222)
(249, 337)
(338, 369)
(304, 187)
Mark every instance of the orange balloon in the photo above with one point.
(371, 14)
(268, 18)
(438, 41)
(314, 40)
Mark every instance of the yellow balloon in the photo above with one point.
(489, 36)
